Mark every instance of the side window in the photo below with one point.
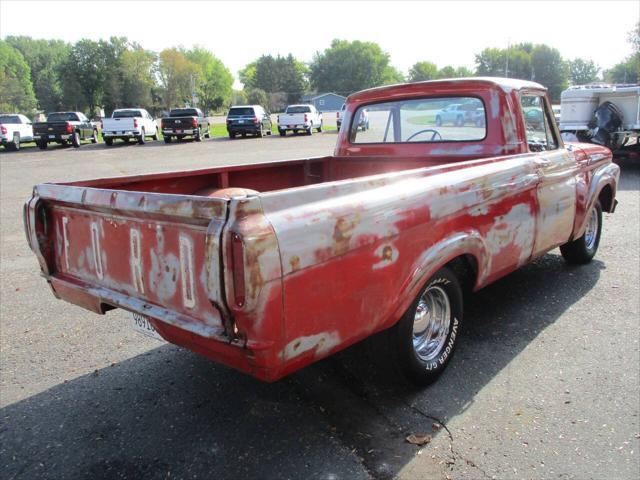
(537, 124)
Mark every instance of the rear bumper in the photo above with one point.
(251, 128)
(252, 358)
(300, 126)
(120, 134)
(56, 137)
(175, 132)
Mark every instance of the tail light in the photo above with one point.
(306, 118)
(337, 114)
(69, 128)
(194, 122)
(228, 120)
(256, 120)
(135, 123)
(162, 123)
(237, 260)
(3, 129)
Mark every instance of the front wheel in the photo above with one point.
(320, 127)
(582, 250)
(425, 338)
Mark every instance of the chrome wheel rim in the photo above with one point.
(431, 323)
(591, 233)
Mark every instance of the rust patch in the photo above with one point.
(295, 263)
(387, 253)
(342, 233)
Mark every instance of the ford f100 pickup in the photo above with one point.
(269, 267)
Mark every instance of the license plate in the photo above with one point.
(142, 325)
(52, 136)
(240, 121)
(178, 131)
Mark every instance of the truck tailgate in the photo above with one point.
(117, 124)
(154, 254)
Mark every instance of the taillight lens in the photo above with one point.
(194, 122)
(256, 120)
(69, 128)
(3, 129)
(237, 260)
(337, 114)
(135, 123)
(306, 118)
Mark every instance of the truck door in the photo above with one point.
(556, 191)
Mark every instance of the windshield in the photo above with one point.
(241, 112)
(298, 109)
(62, 117)
(9, 119)
(183, 112)
(435, 119)
(126, 113)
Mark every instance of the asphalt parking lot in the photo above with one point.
(545, 383)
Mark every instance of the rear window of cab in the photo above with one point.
(241, 112)
(421, 120)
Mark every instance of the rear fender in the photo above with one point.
(437, 256)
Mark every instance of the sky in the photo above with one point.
(446, 33)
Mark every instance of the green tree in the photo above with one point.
(138, 70)
(491, 62)
(346, 67)
(45, 59)
(214, 83)
(447, 72)
(16, 89)
(177, 77)
(423, 71)
(283, 75)
(549, 70)
(628, 71)
(256, 96)
(582, 71)
(83, 76)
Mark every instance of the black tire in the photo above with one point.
(232, 136)
(155, 135)
(167, 139)
(142, 139)
(198, 136)
(75, 140)
(423, 366)
(42, 144)
(310, 130)
(94, 137)
(15, 144)
(208, 132)
(283, 133)
(320, 128)
(260, 133)
(108, 142)
(582, 250)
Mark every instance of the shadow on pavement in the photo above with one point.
(170, 412)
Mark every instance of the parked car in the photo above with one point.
(270, 266)
(185, 122)
(339, 115)
(129, 123)
(458, 114)
(248, 119)
(63, 128)
(533, 117)
(298, 118)
(14, 129)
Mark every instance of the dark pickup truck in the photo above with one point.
(185, 122)
(63, 128)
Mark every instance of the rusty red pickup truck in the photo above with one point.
(269, 267)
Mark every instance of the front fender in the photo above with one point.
(440, 254)
(606, 175)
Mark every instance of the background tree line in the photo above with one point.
(52, 75)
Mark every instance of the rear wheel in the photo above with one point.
(94, 137)
(108, 142)
(260, 132)
(282, 133)
(424, 340)
(198, 136)
(155, 135)
(310, 130)
(582, 250)
(232, 136)
(75, 140)
(42, 144)
(167, 139)
(142, 139)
